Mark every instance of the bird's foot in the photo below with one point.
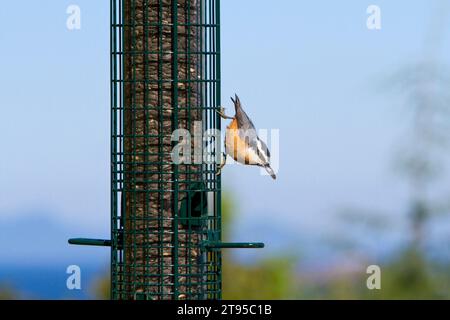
(221, 113)
(222, 164)
(219, 170)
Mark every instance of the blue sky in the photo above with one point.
(309, 68)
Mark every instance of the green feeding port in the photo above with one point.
(165, 216)
(194, 206)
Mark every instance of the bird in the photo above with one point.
(242, 142)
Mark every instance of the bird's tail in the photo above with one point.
(270, 171)
(237, 103)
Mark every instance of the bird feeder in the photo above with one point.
(165, 216)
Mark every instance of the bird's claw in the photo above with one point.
(219, 170)
(222, 164)
(221, 112)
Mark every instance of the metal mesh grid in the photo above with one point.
(165, 75)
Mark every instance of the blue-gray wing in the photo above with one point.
(255, 144)
(247, 133)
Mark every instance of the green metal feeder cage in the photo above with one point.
(165, 217)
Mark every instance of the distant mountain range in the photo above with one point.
(38, 240)
(35, 255)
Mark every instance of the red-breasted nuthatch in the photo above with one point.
(242, 142)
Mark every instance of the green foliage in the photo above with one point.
(8, 293)
(408, 275)
(100, 288)
(273, 278)
(228, 209)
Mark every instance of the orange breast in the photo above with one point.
(235, 146)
